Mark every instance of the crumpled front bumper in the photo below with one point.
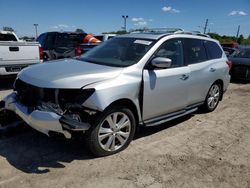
(42, 121)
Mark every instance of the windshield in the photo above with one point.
(118, 52)
(242, 53)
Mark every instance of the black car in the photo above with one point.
(240, 64)
(57, 45)
(229, 51)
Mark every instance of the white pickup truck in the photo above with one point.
(16, 54)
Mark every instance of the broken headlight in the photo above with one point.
(73, 96)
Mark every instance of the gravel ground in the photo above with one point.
(199, 150)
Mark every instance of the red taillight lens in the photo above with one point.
(41, 53)
(78, 51)
(229, 63)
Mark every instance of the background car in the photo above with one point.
(229, 51)
(240, 64)
(58, 45)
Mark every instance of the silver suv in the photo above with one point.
(137, 79)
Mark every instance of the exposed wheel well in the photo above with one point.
(126, 103)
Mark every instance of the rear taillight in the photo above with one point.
(41, 53)
(229, 63)
(78, 51)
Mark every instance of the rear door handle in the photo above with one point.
(212, 70)
(184, 77)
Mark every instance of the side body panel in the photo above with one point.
(165, 91)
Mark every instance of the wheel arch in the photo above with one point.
(220, 82)
(129, 104)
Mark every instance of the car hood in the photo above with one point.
(240, 61)
(67, 73)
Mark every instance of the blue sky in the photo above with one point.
(97, 16)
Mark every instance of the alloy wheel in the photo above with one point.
(213, 96)
(114, 131)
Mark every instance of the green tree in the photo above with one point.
(79, 30)
(240, 39)
(5, 28)
(119, 32)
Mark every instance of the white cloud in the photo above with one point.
(170, 9)
(236, 12)
(54, 27)
(242, 13)
(140, 21)
(166, 9)
(62, 26)
(137, 19)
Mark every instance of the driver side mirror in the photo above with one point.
(161, 62)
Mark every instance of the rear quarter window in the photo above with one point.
(7, 37)
(213, 50)
(41, 39)
(69, 40)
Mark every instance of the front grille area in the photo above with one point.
(31, 96)
(241, 72)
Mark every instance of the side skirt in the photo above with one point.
(171, 116)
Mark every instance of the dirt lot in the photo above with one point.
(200, 150)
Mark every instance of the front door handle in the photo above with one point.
(184, 77)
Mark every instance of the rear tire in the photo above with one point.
(213, 97)
(112, 132)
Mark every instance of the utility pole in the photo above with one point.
(36, 25)
(205, 28)
(125, 22)
(238, 32)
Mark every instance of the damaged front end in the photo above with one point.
(51, 110)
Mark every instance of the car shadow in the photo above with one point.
(32, 152)
(6, 83)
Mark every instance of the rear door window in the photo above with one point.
(213, 50)
(194, 51)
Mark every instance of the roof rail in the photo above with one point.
(197, 33)
(170, 31)
(158, 30)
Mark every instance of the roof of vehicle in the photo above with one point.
(64, 32)
(153, 36)
(6, 32)
(159, 33)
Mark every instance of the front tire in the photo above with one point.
(112, 131)
(213, 98)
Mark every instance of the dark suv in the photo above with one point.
(57, 45)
